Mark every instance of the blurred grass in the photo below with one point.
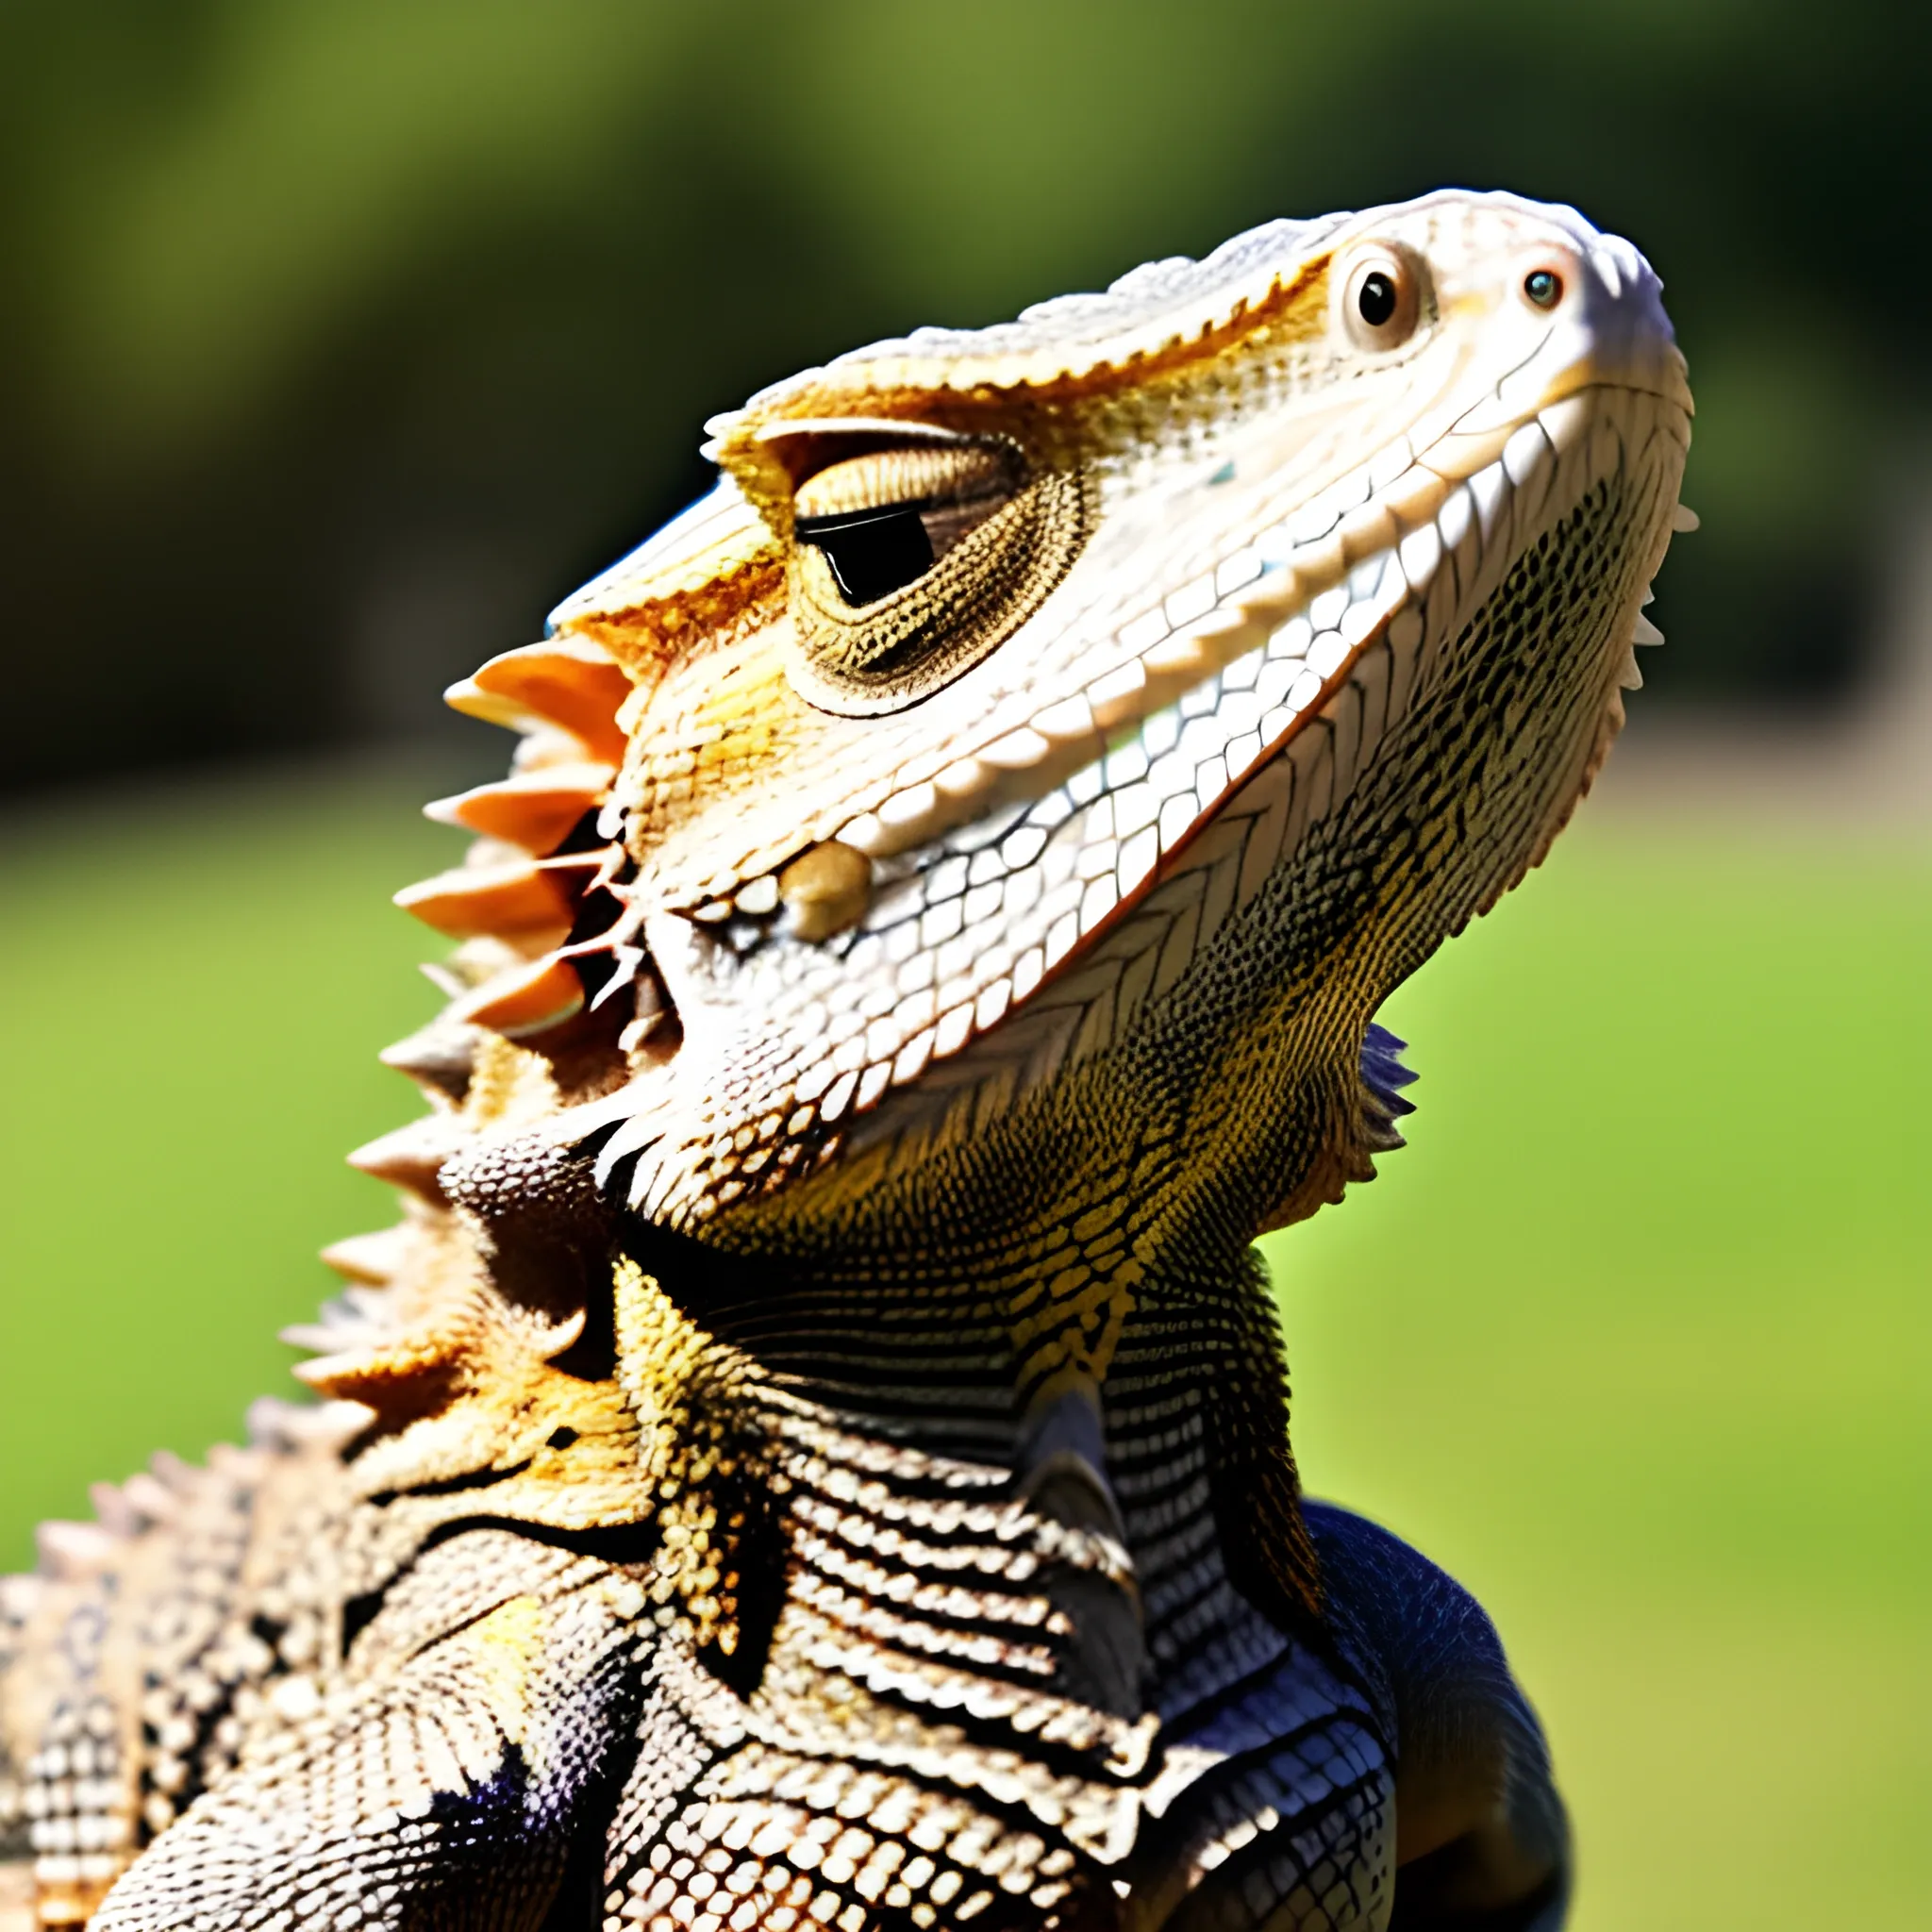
(1633, 1337)
(193, 987)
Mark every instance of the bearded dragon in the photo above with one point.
(814, 1451)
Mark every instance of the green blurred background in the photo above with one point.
(338, 341)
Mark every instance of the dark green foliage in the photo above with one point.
(336, 342)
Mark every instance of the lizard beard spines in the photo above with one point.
(439, 1058)
(530, 905)
(568, 681)
(1384, 1076)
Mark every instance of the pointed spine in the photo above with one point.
(535, 809)
(412, 1156)
(565, 680)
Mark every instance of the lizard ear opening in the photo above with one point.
(912, 560)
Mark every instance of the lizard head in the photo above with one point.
(1048, 744)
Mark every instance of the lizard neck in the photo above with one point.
(1179, 1446)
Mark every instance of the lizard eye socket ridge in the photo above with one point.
(912, 561)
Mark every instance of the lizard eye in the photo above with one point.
(870, 552)
(1381, 299)
(912, 561)
(1543, 288)
(883, 520)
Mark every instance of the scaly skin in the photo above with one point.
(815, 1450)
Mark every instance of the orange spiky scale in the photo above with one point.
(566, 680)
(370, 1258)
(392, 1372)
(113, 1510)
(525, 1001)
(73, 1552)
(521, 897)
(328, 1427)
(438, 1058)
(412, 1156)
(533, 809)
(368, 1374)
